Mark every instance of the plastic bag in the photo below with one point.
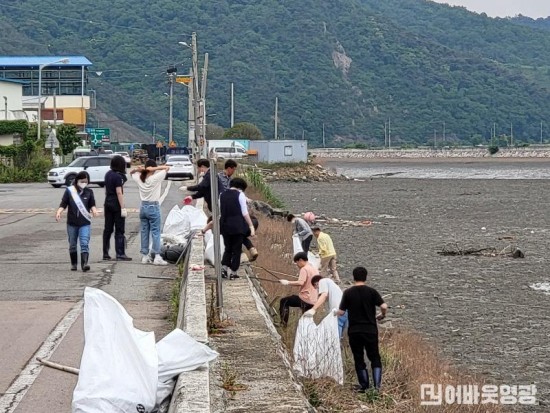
(312, 258)
(179, 352)
(317, 349)
(180, 222)
(296, 244)
(209, 247)
(119, 366)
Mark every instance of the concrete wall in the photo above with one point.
(14, 93)
(272, 151)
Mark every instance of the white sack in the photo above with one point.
(209, 247)
(317, 349)
(119, 366)
(312, 258)
(296, 244)
(196, 217)
(176, 223)
(179, 352)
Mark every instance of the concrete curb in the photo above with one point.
(191, 393)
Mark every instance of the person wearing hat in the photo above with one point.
(302, 230)
(327, 253)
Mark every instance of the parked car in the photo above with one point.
(96, 166)
(180, 166)
(126, 157)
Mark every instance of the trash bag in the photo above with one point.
(317, 349)
(209, 247)
(180, 222)
(172, 253)
(119, 366)
(296, 244)
(179, 352)
(312, 258)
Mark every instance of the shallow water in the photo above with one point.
(447, 169)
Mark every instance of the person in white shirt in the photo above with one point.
(149, 181)
(331, 294)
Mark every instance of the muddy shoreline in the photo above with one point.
(479, 311)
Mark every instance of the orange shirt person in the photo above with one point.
(307, 296)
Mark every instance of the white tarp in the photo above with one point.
(317, 349)
(122, 369)
(119, 366)
(180, 221)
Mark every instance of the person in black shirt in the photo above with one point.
(202, 189)
(360, 301)
(114, 209)
(79, 201)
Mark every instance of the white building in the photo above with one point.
(11, 99)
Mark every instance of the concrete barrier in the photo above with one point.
(191, 393)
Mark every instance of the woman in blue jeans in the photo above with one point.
(80, 203)
(149, 180)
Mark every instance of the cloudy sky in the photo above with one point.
(503, 8)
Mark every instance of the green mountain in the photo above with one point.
(348, 64)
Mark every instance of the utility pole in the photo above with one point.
(54, 109)
(171, 74)
(276, 116)
(203, 106)
(385, 135)
(444, 139)
(6, 108)
(541, 132)
(435, 139)
(232, 106)
(196, 94)
(191, 141)
(389, 133)
(511, 135)
(324, 146)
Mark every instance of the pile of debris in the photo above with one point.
(309, 172)
(509, 251)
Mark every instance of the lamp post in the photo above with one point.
(40, 67)
(5, 107)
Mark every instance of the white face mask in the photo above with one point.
(82, 185)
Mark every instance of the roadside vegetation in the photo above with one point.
(408, 360)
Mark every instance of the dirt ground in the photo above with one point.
(480, 311)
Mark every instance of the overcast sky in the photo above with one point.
(503, 8)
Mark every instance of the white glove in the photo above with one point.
(309, 313)
(284, 282)
(123, 212)
(252, 231)
(183, 188)
(334, 312)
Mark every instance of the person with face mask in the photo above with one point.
(80, 203)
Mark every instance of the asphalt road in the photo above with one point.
(41, 299)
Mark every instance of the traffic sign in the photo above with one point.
(51, 141)
(184, 79)
(99, 135)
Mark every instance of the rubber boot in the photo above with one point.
(106, 247)
(84, 263)
(377, 377)
(363, 379)
(74, 260)
(120, 247)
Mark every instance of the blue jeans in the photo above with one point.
(342, 323)
(149, 216)
(79, 233)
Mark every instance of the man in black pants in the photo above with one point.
(235, 224)
(361, 301)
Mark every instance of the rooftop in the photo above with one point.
(16, 61)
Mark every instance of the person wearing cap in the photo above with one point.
(327, 253)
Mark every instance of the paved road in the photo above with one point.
(40, 298)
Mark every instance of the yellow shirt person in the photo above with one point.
(327, 253)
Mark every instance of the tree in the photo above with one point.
(214, 131)
(68, 140)
(244, 130)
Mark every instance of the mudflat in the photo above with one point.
(480, 311)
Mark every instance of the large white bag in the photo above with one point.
(119, 366)
(209, 247)
(312, 258)
(179, 352)
(296, 244)
(317, 349)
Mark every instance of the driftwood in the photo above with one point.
(58, 366)
(509, 251)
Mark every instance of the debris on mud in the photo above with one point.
(303, 172)
(509, 251)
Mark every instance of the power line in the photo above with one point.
(91, 22)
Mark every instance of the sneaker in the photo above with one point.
(159, 261)
(123, 258)
(233, 276)
(224, 273)
(146, 259)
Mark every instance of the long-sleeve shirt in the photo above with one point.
(326, 247)
(302, 229)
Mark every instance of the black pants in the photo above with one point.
(361, 342)
(247, 242)
(113, 222)
(291, 301)
(232, 253)
(306, 243)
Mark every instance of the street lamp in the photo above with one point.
(5, 107)
(40, 67)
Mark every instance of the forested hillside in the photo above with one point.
(351, 65)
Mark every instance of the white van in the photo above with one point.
(227, 149)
